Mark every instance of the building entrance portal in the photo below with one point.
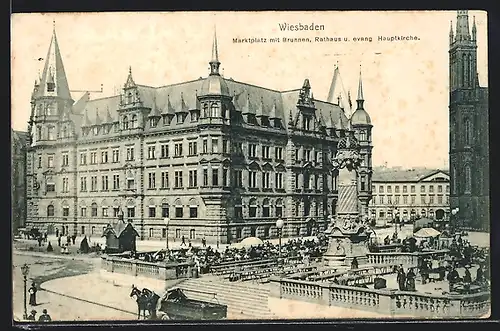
(439, 214)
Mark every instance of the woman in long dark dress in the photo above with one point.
(401, 278)
(410, 280)
(32, 292)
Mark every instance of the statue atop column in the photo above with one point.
(348, 231)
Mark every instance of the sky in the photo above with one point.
(405, 83)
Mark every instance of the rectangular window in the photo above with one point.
(431, 199)
(265, 152)
(413, 198)
(381, 200)
(252, 150)
(193, 149)
(116, 182)
(389, 189)
(116, 156)
(422, 188)
(265, 211)
(412, 189)
(83, 184)
(152, 212)
(39, 161)
(389, 199)
(130, 153)
(93, 157)
(440, 199)
(193, 174)
(396, 199)
(50, 161)
(431, 188)
(130, 183)
(179, 212)
(265, 180)
(215, 177)
(205, 146)
(178, 149)
(307, 155)
(104, 157)
(130, 212)
(252, 211)
(178, 179)
(215, 145)
(447, 188)
(238, 212)
(380, 189)
(152, 180)
(440, 188)
(405, 199)
(65, 159)
(224, 177)
(83, 212)
(104, 183)
(164, 179)
(238, 178)
(151, 152)
(422, 199)
(252, 179)
(205, 177)
(164, 151)
(278, 153)
(93, 183)
(193, 212)
(105, 211)
(278, 180)
(225, 146)
(405, 189)
(65, 185)
(396, 189)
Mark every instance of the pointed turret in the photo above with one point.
(451, 32)
(98, 120)
(462, 31)
(170, 108)
(360, 100)
(474, 29)
(333, 86)
(360, 116)
(109, 119)
(53, 81)
(130, 80)
(154, 109)
(214, 62)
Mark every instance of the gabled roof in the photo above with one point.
(118, 229)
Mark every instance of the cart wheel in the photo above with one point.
(165, 317)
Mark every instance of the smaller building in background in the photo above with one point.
(19, 142)
(409, 194)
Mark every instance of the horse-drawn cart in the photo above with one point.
(176, 305)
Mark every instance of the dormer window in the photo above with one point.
(152, 122)
(194, 116)
(307, 123)
(95, 130)
(51, 87)
(180, 118)
(205, 110)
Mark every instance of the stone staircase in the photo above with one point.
(244, 300)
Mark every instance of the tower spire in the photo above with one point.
(474, 29)
(360, 98)
(53, 81)
(451, 32)
(462, 31)
(214, 62)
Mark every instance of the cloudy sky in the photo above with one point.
(405, 82)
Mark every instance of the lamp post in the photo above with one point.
(454, 212)
(279, 226)
(25, 269)
(166, 220)
(396, 215)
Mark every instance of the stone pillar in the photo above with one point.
(275, 287)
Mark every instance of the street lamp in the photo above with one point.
(166, 220)
(396, 215)
(279, 226)
(25, 269)
(454, 212)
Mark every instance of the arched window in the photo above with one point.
(266, 208)
(468, 132)
(279, 208)
(424, 212)
(129, 97)
(468, 179)
(39, 133)
(252, 208)
(133, 122)
(50, 210)
(125, 122)
(464, 67)
(213, 109)
(51, 133)
(94, 210)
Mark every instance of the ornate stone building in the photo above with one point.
(469, 141)
(19, 142)
(217, 157)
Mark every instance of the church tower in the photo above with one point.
(362, 126)
(468, 118)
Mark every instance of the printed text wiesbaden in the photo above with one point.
(301, 27)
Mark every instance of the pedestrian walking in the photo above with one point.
(59, 241)
(401, 278)
(183, 242)
(68, 240)
(32, 316)
(32, 291)
(49, 247)
(73, 238)
(57, 232)
(204, 241)
(45, 236)
(45, 317)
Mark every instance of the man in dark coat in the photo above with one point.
(467, 276)
(45, 317)
(453, 278)
(84, 246)
(354, 263)
(32, 291)
(49, 247)
(59, 241)
(410, 280)
(183, 242)
(57, 232)
(401, 278)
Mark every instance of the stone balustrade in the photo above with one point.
(408, 260)
(389, 302)
(156, 270)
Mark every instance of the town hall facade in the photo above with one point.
(218, 158)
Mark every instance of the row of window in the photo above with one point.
(405, 214)
(412, 188)
(381, 199)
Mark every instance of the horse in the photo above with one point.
(145, 302)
